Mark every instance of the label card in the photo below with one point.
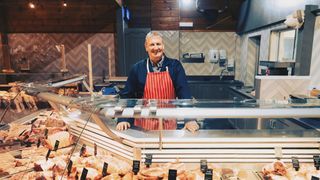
(136, 167)
(56, 145)
(48, 154)
(172, 174)
(295, 163)
(69, 168)
(83, 150)
(316, 161)
(148, 160)
(84, 174)
(208, 174)
(46, 133)
(104, 169)
(38, 143)
(95, 149)
(203, 166)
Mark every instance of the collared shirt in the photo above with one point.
(134, 87)
(157, 66)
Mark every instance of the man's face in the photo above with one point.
(154, 48)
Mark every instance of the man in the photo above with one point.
(157, 77)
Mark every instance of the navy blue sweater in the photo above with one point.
(134, 87)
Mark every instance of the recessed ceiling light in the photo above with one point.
(32, 5)
(64, 4)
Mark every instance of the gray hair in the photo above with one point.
(152, 34)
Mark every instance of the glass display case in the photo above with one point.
(239, 139)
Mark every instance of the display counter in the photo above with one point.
(261, 137)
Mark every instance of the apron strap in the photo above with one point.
(148, 65)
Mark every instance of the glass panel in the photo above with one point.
(286, 46)
(282, 46)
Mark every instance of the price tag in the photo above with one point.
(76, 176)
(84, 174)
(278, 152)
(314, 178)
(148, 160)
(83, 150)
(203, 166)
(135, 167)
(56, 145)
(38, 143)
(69, 167)
(104, 169)
(32, 126)
(46, 133)
(22, 132)
(48, 154)
(172, 174)
(316, 161)
(28, 144)
(208, 174)
(295, 163)
(33, 120)
(53, 174)
(95, 149)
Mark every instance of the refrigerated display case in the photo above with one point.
(236, 139)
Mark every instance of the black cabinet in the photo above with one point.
(217, 90)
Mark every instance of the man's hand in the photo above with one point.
(191, 126)
(121, 126)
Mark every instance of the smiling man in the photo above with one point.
(156, 77)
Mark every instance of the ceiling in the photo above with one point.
(100, 15)
(211, 15)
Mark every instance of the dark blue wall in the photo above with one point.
(257, 14)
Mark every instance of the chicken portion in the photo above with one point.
(278, 170)
(275, 168)
(114, 165)
(65, 139)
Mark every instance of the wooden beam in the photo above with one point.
(4, 46)
(305, 43)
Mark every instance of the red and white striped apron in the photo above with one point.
(158, 86)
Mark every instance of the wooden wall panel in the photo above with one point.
(165, 21)
(51, 16)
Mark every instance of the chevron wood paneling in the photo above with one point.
(279, 88)
(315, 62)
(40, 50)
(242, 65)
(202, 42)
(176, 43)
(245, 54)
(170, 40)
(251, 63)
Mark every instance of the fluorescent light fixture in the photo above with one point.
(186, 24)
